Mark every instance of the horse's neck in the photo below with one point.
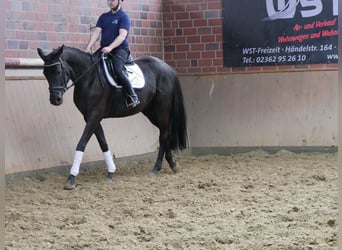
(78, 61)
(76, 58)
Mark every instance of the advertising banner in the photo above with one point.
(279, 32)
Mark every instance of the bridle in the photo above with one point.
(66, 73)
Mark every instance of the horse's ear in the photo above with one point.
(41, 54)
(59, 51)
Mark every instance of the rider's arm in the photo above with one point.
(117, 41)
(93, 38)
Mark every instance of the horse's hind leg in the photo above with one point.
(157, 167)
(160, 119)
(169, 159)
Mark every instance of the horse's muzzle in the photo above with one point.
(56, 98)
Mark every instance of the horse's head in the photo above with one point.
(56, 73)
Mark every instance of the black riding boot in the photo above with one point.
(132, 99)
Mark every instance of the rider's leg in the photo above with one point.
(132, 97)
(119, 57)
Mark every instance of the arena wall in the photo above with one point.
(288, 109)
(280, 106)
(39, 135)
(266, 106)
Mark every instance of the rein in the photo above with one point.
(66, 87)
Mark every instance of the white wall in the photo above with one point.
(272, 109)
(39, 135)
(235, 110)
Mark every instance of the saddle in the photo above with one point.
(131, 70)
(110, 66)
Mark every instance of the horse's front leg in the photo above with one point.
(106, 153)
(88, 131)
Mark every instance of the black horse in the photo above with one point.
(161, 102)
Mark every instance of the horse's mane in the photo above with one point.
(71, 52)
(65, 47)
(74, 50)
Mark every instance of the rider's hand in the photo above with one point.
(106, 50)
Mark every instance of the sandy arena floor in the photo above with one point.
(248, 201)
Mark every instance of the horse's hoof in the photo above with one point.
(110, 176)
(155, 172)
(71, 183)
(175, 169)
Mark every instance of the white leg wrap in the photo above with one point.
(109, 161)
(75, 168)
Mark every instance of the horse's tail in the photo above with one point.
(179, 137)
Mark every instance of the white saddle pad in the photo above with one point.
(134, 72)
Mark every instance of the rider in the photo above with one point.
(113, 26)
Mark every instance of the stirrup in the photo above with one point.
(132, 101)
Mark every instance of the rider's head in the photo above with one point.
(114, 4)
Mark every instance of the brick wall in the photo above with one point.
(193, 35)
(146, 28)
(49, 23)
